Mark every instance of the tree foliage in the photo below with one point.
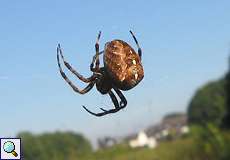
(54, 146)
(226, 120)
(208, 105)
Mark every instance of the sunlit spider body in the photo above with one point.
(122, 71)
(123, 64)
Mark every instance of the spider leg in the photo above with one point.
(103, 109)
(96, 57)
(116, 105)
(87, 80)
(139, 48)
(93, 61)
(97, 51)
(123, 101)
(83, 91)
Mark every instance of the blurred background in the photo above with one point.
(180, 110)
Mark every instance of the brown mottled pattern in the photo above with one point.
(123, 64)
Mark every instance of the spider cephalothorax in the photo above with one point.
(122, 71)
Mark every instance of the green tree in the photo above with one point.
(226, 121)
(208, 105)
(54, 146)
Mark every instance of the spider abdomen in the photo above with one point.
(123, 64)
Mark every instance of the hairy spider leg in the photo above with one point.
(123, 101)
(93, 61)
(139, 48)
(83, 91)
(97, 51)
(116, 105)
(87, 80)
(96, 57)
(96, 70)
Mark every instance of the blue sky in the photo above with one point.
(185, 44)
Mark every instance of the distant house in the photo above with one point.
(172, 126)
(184, 129)
(106, 142)
(142, 140)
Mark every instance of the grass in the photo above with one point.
(180, 149)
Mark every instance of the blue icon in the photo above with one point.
(9, 147)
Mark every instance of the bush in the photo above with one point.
(54, 146)
(208, 105)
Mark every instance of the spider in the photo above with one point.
(122, 70)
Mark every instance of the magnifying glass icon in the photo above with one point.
(9, 147)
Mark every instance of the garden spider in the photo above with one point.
(122, 71)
